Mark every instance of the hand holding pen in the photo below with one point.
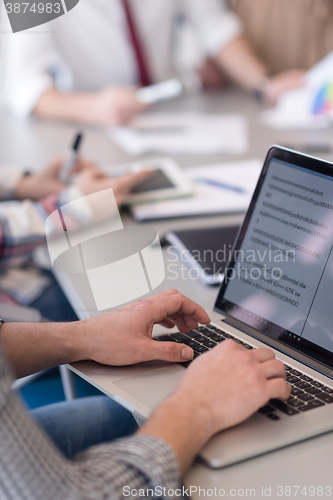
(70, 160)
(44, 182)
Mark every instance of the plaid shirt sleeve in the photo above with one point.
(22, 222)
(31, 468)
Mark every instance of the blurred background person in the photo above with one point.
(30, 294)
(288, 36)
(38, 194)
(88, 64)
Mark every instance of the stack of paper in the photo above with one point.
(222, 188)
(183, 133)
(308, 107)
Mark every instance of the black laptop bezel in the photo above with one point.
(300, 349)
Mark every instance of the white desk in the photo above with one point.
(32, 142)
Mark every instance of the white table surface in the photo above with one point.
(32, 142)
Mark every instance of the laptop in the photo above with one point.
(277, 292)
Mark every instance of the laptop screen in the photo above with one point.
(279, 280)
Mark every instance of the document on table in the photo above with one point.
(218, 189)
(309, 107)
(183, 133)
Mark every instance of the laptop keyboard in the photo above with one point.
(306, 393)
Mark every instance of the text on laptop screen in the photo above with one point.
(280, 281)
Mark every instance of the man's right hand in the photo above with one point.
(232, 383)
(219, 390)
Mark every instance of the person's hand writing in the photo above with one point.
(42, 183)
(123, 336)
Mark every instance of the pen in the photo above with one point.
(70, 159)
(221, 185)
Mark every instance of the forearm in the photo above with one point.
(182, 423)
(241, 64)
(31, 347)
(76, 106)
(101, 472)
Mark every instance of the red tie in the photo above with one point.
(137, 46)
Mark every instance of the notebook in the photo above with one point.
(218, 189)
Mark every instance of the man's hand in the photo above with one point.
(120, 337)
(123, 336)
(282, 82)
(220, 389)
(46, 181)
(92, 181)
(232, 383)
(116, 106)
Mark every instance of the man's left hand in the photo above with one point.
(123, 336)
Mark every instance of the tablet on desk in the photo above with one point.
(167, 180)
(205, 250)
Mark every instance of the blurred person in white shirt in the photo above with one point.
(84, 66)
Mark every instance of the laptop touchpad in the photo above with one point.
(152, 387)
